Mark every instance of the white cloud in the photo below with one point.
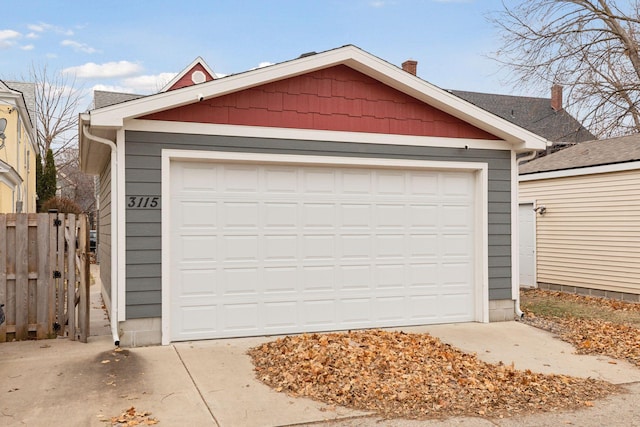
(377, 4)
(32, 35)
(112, 88)
(8, 38)
(149, 83)
(27, 47)
(78, 47)
(91, 70)
(51, 55)
(43, 27)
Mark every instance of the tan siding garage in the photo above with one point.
(589, 235)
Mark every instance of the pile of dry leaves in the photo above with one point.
(131, 417)
(591, 335)
(412, 375)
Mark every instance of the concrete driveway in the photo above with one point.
(209, 383)
(212, 383)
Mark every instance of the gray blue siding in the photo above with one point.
(143, 178)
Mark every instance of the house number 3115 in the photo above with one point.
(141, 202)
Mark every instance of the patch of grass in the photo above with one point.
(564, 305)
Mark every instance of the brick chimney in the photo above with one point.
(556, 97)
(410, 66)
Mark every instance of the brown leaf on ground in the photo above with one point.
(589, 323)
(412, 375)
(130, 417)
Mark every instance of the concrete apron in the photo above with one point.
(226, 381)
(209, 383)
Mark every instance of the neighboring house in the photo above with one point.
(543, 116)
(18, 147)
(584, 235)
(331, 192)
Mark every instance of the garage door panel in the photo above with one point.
(318, 247)
(356, 246)
(280, 180)
(319, 312)
(239, 179)
(356, 182)
(284, 249)
(198, 214)
(390, 216)
(201, 319)
(318, 181)
(355, 277)
(240, 281)
(390, 246)
(239, 248)
(357, 216)
(318, 278)
(240, 215)
(318, 215)
(280, 315)
(423, 308)
(280, 280)
(391, 182)
(197, 283)
(354, 312)
(280, 215)
(240, 317)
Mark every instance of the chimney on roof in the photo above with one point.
(556, 97)
(410, 66)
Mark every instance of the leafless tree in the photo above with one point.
(588, 46)
(74, 184)
(58, 103)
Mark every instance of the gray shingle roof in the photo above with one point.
(591, 153)
(28, 93)
(104, 99)
(533, 114)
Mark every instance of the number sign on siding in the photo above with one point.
(143, 202)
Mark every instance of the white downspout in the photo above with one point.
(114, 232)
(516, 291)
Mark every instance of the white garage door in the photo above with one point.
(271, 249)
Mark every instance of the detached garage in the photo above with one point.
(332, 192)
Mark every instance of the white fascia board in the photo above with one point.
(592, 170)
(313, 135)
(351, 56)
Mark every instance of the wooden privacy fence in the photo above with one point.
(44, 276)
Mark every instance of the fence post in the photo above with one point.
(44, 277)
(22, 278)
(85, 282)
(60, 273)
(70, 237)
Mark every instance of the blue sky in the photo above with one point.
(136, 46)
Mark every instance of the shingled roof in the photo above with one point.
(103, 98)
(28, 93)
(534, 114)
(591, 153)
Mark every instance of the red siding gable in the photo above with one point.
(185, 80)
(337, 98)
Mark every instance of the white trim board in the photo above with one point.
(590, 170)
(481, 230)
(313, 135)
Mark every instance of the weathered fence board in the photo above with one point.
(44, 276)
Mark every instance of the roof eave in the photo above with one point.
(389, 74)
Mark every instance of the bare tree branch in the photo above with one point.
(589, 46)
(58, 103)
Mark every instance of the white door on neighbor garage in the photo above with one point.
(527, 229)
(269, 249)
